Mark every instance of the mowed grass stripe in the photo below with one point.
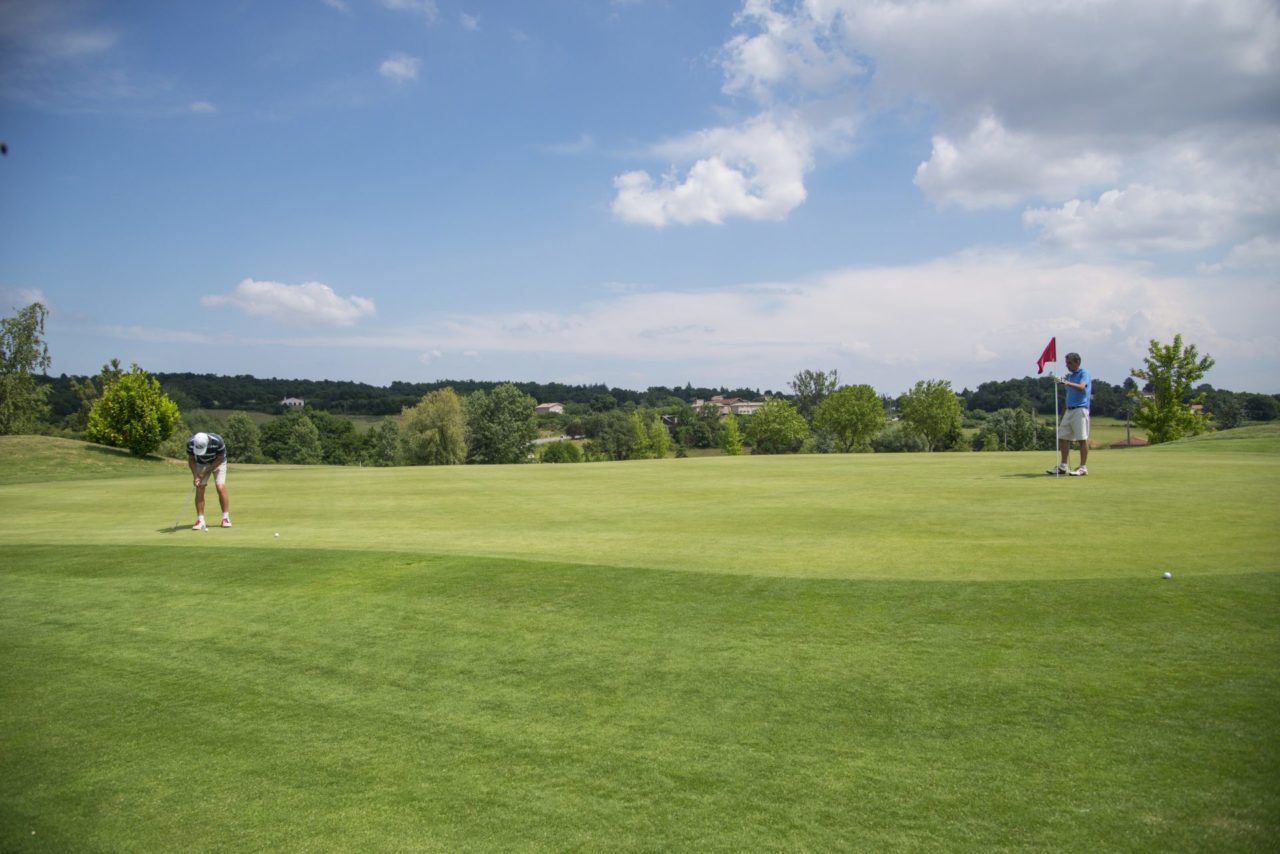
(319, 699)
(959, 516)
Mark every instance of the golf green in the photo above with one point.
(879, 652)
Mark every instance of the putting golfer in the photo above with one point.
(1074, 426)
(207, 457)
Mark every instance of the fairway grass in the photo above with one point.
(880, 652)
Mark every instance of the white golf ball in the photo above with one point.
(1166, 575)
(277, 535)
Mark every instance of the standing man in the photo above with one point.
(207, 455)
(1074, 426)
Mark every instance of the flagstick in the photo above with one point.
(1057, 449)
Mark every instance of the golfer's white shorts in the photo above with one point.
(1074, 426)
(219, 475)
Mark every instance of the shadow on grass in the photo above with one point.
(1031, 474)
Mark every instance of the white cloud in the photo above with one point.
(202, 108)
(755, 171)
(1121, 118)
(962, 318)
(400, 68)
(470, 23)
(427, 9)
(308, 304)
(994, 167)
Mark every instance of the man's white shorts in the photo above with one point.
(219, 474)
(1074, 426)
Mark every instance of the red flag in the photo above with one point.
(1050, 354)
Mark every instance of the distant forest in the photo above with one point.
(252, 394)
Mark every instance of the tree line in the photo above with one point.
(483, 422)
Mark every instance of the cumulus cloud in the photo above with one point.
(962, 318)
(308, 304)
(994, 167)
(755, 171)
(427, 9)
(16, 298)
(1112, 121)
(400, 68)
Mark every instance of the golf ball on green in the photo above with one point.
(277, 534)
(1166, 575)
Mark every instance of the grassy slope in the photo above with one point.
(667, 675)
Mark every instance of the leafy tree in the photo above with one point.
(932, 409)
(292, 438)
(88, 392)
(382, 444)
(641, 449)
(659, 439)
(23, 354)
(339, 441)
(731, 437)
(501, 425)
(897, 438)
(434, 432)
(852, 416)
(610, 435)
(242, 438)
(133, 413)
(1170, 372)
(1261, 407)
(561, 452)
(810, 389)
(1014, 430)
(777, 428)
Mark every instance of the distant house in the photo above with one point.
(292, 403)
(731, 405)
(544, 408)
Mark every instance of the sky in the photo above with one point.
(643, 192)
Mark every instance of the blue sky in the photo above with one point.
(643, 192)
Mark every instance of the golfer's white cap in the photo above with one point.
(200, 442)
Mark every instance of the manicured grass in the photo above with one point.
(819, 653)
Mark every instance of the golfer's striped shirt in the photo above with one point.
(216, 448)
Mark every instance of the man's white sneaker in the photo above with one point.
(226, 523)
(200, 526)
(1080, 472)
(1061, 468)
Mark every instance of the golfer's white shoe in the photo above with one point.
(1080, 472)
(226, 523)
(200, 526)
(1061, 468)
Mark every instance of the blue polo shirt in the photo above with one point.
(1076, 397)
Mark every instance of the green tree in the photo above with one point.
(339, 441)
(434, 432)
(90, 390)
(640, 446)
(292, 438)
(610, 435)
(23, 354)
(853, 416)
(133, 413)
(1014, 430)
(659, 439)
(932, 410)
(242, 438)
(382, 444)
(1170, 372)
(731, 437)
(776, 428)
(561, 452)
(810, 388)
(501, 425)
